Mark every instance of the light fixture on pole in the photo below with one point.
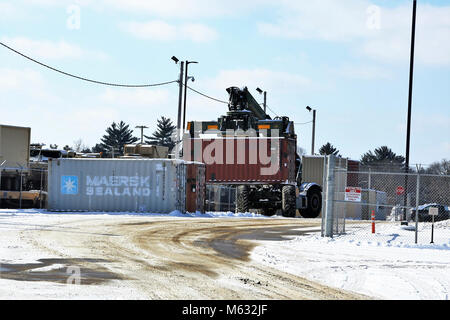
(265, 98)
(313, 127)
(185, 91)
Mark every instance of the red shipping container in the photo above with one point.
(244, 160)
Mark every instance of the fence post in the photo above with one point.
(40, 189)
(417, 206)
(324, 195)
(229, 198)
(330, 196)
(20, 194)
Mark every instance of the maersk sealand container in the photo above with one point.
(125, 185)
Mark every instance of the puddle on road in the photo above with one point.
(236, 246)
(59, 271)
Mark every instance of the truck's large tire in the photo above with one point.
(314, 204)
(288, 201)
(242, 202)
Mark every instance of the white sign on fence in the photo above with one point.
(353, 194)
(433, 211)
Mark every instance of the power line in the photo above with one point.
(301, 123)
(206, 96)
(272, 110)
(261, 104)
(86, 79)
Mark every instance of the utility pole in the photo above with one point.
(180, 102)
(408, 130)
(186, 78)
(142, 132)
(180, 97)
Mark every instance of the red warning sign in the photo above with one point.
(400, 190)
(353, 194)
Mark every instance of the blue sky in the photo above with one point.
(348, 59)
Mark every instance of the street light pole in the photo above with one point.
(186, 78)
(265, 98)
(265, 101)
(313, 128)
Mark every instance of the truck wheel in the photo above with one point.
(242, 203)
(288, 201)
(314, 204)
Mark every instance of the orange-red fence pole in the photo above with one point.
(373, 221)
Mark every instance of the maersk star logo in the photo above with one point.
(69, 184)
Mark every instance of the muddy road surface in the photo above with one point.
(166, 258)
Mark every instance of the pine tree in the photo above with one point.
(328, 149)
(98, 148)
(117, 135)
(383, 158)
(163, 134)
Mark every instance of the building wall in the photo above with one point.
(14, 146)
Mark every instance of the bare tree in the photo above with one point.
(79, 146)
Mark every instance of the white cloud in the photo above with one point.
(185, 9)
(172, 8)
(16, 79)
(45, 49)
(392, 42)
(151, 30)
(24, 83)
(326, 19)
(198, 32)
(348, 21)
(162, 31)
(7, 10)
(150, 98)
(264, 78)
(364, 72)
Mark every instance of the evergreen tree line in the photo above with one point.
(384, 159)
(119, 134)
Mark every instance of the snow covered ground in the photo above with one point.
(384, 265)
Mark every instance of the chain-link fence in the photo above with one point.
(23, 187)
(220, 198)
(381, 206)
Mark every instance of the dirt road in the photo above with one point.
(168, 258)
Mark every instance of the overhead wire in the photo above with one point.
(112, 83)
(205, 95)
(87, 79)
(301, 123)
